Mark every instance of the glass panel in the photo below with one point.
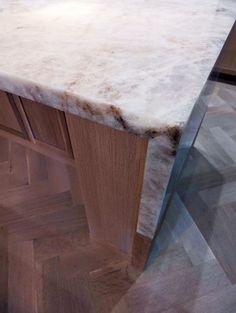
(194, 252)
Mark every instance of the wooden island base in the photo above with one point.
(109, 164)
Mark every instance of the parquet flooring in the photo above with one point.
(48, 263)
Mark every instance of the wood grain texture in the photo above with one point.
(47, 124)
(51, 288)
(18, 104)
(75, 188)
(110, 165)
(58, 175)
(3, 270)
(109, 284)
(4, 148)
(22, 292)
(51, 257)
(47, 150)
(35, 126)
(10, 119)
(36, 166)
(140, 251)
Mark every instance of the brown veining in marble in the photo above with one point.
(143, 77)
(116, 112)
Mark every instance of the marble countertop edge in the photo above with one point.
(107, 114)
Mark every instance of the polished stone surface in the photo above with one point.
(160, 159)
(136, 65)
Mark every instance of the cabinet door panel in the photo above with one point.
(48, 124)
(10, 119)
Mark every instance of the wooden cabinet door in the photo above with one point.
(10, 119)
(48, 125)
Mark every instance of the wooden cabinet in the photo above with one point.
(106, 163)
(48, 125)
(35, 125)
(10, 118)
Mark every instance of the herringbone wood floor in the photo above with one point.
(47, 261)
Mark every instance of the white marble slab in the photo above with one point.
(137, 65)
(159, 162)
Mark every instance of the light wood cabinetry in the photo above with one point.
(36, 126)
(107, 164)
(110, 164)
(48, 125)
(10, 118)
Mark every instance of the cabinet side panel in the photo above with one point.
(110, 166)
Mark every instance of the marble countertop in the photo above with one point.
(137, 65)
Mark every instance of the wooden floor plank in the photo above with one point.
(109, 285)
(61, 294)
(93, 256)
(34, 208)
(3, 271)
(20, 194)
(21, 283)
(58, 222)
(45, 247)
(52, 246)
